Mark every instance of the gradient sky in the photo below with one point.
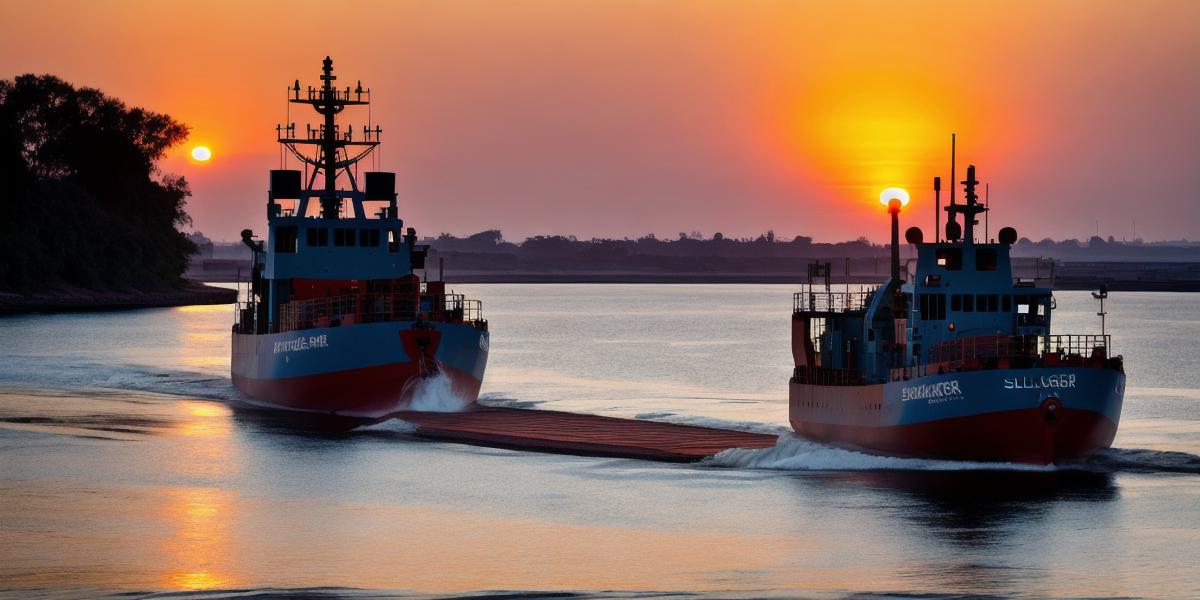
(618, 118)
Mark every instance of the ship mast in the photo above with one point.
(332, 145)
(969, 209)
(330, 205)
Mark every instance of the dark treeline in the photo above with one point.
(1098, 248)
(488, 252)
(768, 245)
(84, 204)
(686, 245)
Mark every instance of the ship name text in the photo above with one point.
(302, 343)
(933, 392)
(1064, 380)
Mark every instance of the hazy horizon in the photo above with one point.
(615, 120)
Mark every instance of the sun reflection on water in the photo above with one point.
(207, 419)
(198, 552)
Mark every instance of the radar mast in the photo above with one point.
(333, 145)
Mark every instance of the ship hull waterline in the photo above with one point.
(363, 371)
(1034, 416)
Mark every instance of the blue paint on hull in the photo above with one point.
(1001, 414)
(326, 350)
(963, 394)
(979, 392)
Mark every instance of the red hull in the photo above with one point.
(367, 392)
(1022, 436)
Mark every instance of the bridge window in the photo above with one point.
(1027, 314)
(968, 303)
(1022, 304)
(368, 238)
(985, 259)
(956, 303)
(393, 240)
(343, 237)
(987, 303)
(950, 258)
(1007, 303)
(318, 236)
(286, 238)
(932, 307)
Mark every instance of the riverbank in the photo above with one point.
(1119, 276)
(1060, 284)
(83, 300)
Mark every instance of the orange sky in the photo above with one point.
(618, 118)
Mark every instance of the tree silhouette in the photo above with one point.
(86, 205)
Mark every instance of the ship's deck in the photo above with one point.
(573, 433)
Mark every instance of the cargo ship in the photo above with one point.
(335, 318)
(954, 360)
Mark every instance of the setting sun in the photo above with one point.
(201, 154)
(894, 193)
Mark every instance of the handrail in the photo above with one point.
(348, 309)
(827, 376)
(1020, 346)
(813, 298)
(1003, 351)
(1081, 345)
(986, 346)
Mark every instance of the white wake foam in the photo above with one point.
(702, 421)
(436, 394)
(391, 426)
(793, 453)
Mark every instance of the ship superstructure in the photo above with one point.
(337, 318)
(955, 360)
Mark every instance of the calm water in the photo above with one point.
(126, 466)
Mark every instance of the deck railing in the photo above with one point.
(823, 376)
(1022, 346)
(984, 352)
(817, 299)
(345, 310)
(465, 309)
(986, 347)
(1077, 345)
(349, 309)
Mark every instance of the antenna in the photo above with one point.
(953, 232)
(333, 153)
(970, 209)
(937, 209)
(987, 205)
(1103, 314)
(953, 185)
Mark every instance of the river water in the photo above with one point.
(127, 467)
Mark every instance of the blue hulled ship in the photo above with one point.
(955, 360)
(337, 319)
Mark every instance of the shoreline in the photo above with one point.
(1061, 284)
(81, 300)
(626, 277)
